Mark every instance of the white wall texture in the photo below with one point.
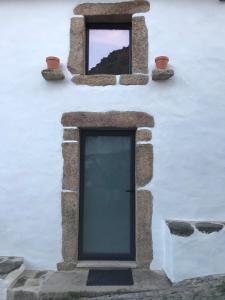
(200, 254)
(189, 112)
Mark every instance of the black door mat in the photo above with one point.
(110, 277)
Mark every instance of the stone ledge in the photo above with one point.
(111, 119)
(161, 74)
(180, 228)
(134, 79)
(94, 80)
(186, 229)
(119, 8)
(208, 227)
(52, 74)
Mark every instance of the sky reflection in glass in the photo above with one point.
(103, 41)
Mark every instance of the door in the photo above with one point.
(107, 195)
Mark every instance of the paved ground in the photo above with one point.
(33, 285)
(207, 288)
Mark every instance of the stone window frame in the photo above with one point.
(72, 123)
(114, 13)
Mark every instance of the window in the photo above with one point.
(108, 48)
(109, 39)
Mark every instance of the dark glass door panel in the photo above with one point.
(107, 220)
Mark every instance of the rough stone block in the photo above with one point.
(144, 164)
(121, 8)
(160, 74)
(66, 266)
(143, 135)
(9, 263)
(76, 61)
(134, 79)
(70, 221)
(143, 228)
(95, 80)
(139, 46)
(71, 171)
(180, 228)
(52, 74)
(116, 119)
(208, 227)
(71, 134)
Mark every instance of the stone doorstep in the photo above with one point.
(62, 285)
(148, 285)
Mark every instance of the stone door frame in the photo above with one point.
(72, 123)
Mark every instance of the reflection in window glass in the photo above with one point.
(109, 51)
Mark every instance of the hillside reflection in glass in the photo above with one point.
(109, 51)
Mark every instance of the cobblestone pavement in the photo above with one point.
(207, 288)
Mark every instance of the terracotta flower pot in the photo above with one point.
(52, 62)
(161, 62)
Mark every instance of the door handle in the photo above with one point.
(130, 191)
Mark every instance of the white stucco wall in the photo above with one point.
(189, 112)
(200, 254)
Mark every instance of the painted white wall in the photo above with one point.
(189, 110)
(200, 254)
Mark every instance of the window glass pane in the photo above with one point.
(108, 51)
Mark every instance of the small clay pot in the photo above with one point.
(52, 62)
(161, 62)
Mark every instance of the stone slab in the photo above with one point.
(208, 227)
(144, 164)
(160, 74)
(134, 79)
(94, 80)
(180, 228)
(52, 74)
(9, 263)
(70, 221)
(139, 46)
(143, 135)
(148, 285)
(71, 134)
(76, 60)
(113, 119)
(144, 251)
(71, 172)
(121, 8)
(62, 284)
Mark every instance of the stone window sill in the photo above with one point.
(104, 79)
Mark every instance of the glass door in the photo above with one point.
(107, 195)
